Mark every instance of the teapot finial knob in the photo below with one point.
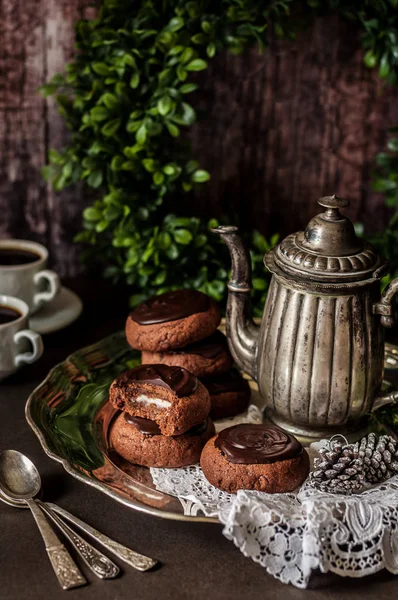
(333, 205)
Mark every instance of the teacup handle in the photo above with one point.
(54, 283)
(37, 347)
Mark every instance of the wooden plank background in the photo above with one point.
(280, 129)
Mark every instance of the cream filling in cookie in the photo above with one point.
(143, 399)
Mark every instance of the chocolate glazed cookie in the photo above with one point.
(140, 441)
(255, 457)
(172, 320)
(204, 358)
(229, 394)
(170, 396)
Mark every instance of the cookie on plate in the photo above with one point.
(172, 320)
(170, 396)
(255, 457)
(140, 441)
(204, 358)
(229, 394)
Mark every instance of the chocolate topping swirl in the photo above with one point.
(175, 379)
(149, 427)
(249, 444)
(170, 307)
(210, 347)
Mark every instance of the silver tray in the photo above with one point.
(70, 414)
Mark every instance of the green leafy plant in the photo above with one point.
(125, 98)
(385, 180)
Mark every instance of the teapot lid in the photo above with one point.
(328, 249)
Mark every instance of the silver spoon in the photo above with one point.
(131, 557)
(20, 480)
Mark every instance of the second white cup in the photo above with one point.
(18, 345)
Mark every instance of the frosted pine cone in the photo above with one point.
(379, 457)
(339, 471)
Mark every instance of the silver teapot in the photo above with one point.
(318, 354)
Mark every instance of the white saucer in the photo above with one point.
(57, 314)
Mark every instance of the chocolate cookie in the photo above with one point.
(255, 457)
(140, 441)
(172, 320)
(229, 394)
(170, 396)
(206, 357)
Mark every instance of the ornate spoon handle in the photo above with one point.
(132, 558)
(99, 564)
(65, 568)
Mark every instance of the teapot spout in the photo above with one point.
(242, 332)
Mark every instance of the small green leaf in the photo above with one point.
(173, 252)
(164, 240)
(116, 163)
(175, 24)
(140, 136)
(199, 38)
(183, 236)
(176, 50)
(187, 55)
(384, 68)
(99, 113)
(111, 127)
(187, 88)
(169, 170)
(370, 59)
(101, 226)
(181, 73)
(200, 176)
(92, 214)
(206, 26)
(164, 105)
(95, 179)
(149, 164)
(110, 100)
(211, 50)
(101, 69)
(172, 129)
(197, 64)
(135, 80)
(158, 178)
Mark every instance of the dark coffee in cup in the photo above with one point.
(8, 314)
(17, 256)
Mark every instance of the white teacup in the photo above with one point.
(18, 345)
(30, 281)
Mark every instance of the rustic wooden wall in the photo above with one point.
(281, 128)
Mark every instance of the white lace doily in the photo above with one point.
(292, 534)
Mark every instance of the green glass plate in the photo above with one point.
(70, 414)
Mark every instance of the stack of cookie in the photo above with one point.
(164, 416)
(180, 329)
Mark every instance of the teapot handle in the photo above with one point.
(386, 306)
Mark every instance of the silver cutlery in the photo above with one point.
(20, 480)
(132, 558)
(98, 562)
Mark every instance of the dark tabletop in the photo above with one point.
(197, 561)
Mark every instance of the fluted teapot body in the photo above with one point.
(318, 353)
